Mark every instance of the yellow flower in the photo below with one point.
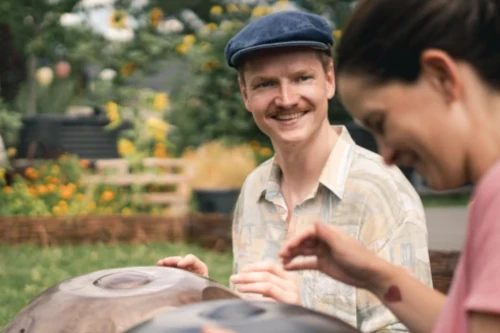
(337, 33)
(2, 173)
(11, 152)
(210, 65)
(182, 48)
(161, 101)
(80, 197)
(210, 26)
(125, 147)
(107, 196)
(260, 11)
(232, 8)
(216, 10)
(128, 69)
(155, 16)
(157, 128)
(189, 40)
(118, 19)
(265, 152)
(112, 111)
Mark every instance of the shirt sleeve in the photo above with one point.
(483, 253)
(400, 237)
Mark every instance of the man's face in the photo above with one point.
(287, 92)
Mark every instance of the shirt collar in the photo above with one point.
(333, 176)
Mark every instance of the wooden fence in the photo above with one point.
(166, 173)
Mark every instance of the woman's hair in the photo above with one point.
(384, 39)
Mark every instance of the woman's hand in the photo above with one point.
(335, 253)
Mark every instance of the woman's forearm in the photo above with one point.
(416, 305)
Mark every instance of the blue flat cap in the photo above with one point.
(281, 29)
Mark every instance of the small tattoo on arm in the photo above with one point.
(393, 295)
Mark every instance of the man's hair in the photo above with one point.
(384, 39)
(324, 57)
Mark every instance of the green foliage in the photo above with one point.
(10, 124)
(26, 271)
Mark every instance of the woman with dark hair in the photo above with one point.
(424, 77)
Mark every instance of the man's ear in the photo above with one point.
(243, 90)
(443, 74)
(330, 80)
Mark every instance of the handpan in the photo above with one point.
(114, 300)
(243, 317)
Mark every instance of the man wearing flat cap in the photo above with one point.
(318, 173)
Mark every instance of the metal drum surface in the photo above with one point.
(244, 317)
(113, 300)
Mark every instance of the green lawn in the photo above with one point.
(25, 271)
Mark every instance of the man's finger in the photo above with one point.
(264, 289)
(188, 261)
(264, 266)
(169, 261)
(254, 277)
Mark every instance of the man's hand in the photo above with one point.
(268, 280)
(189, 263)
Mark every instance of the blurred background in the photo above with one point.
(123, 137)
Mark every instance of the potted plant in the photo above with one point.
(216, 172)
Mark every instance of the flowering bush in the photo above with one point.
(57, 188)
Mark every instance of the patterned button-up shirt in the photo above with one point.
(357, 192)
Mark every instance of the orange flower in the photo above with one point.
(255, 145)
(51, 188)
(84, 163)
(41, 189)
(31, 173)
(66, 192)
(128, 69)
(7, 189)
(265, 152)
(155, 16)
(107, 196)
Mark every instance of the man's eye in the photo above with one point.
(264, 84)
(304, 77)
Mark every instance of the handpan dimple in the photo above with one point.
(123, 280)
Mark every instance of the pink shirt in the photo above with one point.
(476, 282)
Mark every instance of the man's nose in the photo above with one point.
(288, 97)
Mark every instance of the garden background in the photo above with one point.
(123, 137)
